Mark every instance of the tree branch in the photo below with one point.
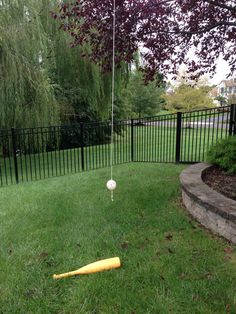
(221, 5)
(201, 31)
(150, 5)
(209, 28)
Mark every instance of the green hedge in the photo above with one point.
(223, 154)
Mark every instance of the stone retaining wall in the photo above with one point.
(212, 209)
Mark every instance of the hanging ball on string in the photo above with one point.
(111, 185)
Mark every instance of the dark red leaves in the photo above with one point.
(167, 29)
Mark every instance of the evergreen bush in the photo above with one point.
(223, 154)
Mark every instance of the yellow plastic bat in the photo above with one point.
(105, 264)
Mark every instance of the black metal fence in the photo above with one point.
(37, 153)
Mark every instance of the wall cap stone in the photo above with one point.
(193, 185)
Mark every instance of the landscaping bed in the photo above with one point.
(211, 208)
(220, 181)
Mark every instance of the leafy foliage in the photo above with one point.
(26, 92)
(223, 154)
(189, 95)
(222, 100)
(42, 80)
(166, 29)
(144, 99)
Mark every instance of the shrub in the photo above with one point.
(223, 154)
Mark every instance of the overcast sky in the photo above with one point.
(221, 72)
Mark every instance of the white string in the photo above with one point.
(113, 91)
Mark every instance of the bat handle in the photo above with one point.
(65, 275)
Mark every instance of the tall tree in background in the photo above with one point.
(144, 99)
(42, 80)
(26, 94)
(83, 89)
(188, 95)
(167, 29)
(222, 100)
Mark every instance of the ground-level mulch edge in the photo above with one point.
(220, 181)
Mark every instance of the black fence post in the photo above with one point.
(178, 137)
(13, 136)
(82, 144)
(234, 120)
(132, 139)
(231, 120)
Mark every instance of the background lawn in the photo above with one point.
(151, 143)
(170, 263)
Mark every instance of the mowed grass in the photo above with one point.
(169, 263)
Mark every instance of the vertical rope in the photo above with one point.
(113, 91)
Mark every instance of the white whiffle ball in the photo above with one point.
(111, 185)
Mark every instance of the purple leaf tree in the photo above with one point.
(165, 30)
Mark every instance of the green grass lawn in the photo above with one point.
(163, 112)
(170, 263)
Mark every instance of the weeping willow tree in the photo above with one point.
(82, 88)
(42, 80)
(26, 93)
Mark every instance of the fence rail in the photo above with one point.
(36, 153)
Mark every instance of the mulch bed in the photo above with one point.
(221, 182)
